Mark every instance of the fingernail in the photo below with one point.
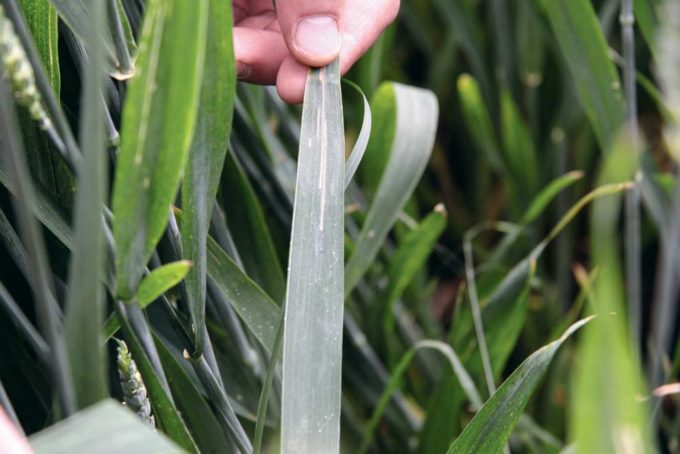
(318, 36)
(242, 70)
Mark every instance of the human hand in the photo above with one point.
(278, 47)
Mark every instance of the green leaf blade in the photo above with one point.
(206, 156)
(85, 300)
(491, 427)
(414, 127)
(158, 123)
(585, 50)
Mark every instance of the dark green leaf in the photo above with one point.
(158, 124)
(206, 156)
(251, 235)
(204, 427)
(256, 309)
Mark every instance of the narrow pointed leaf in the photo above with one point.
(362, 140)
(206, 156)
(259, 313)
(409, 259)
(585, 50)
(519, 150)
(253, 239)
(85, 300)
(161, 280)
(152, 287)
(490, 429)
(478, 121)
(158, 124)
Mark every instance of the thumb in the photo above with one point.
(311, 29)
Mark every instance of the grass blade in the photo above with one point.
(84, 311)
(409, 259)
(413, 114)
(478, 121)
(585, 50)
(152, 287)
(158, 123)
(362, 140)
(310, 420)
(200, 418)
(256, 309)
(490, 429)
(34, 338)
(161, 280)
(617, 419)
(252, 236)
(206, 156)
(41, 19)
(41, 282)
(459, 371)
(520, 152)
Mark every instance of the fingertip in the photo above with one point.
(291, 80)
(258, 54)
(317, 40)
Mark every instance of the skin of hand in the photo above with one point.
(279, 45)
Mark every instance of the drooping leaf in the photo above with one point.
(361, 144)
(457, 367)
(414, 113)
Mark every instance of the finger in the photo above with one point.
(259, 54)
(363, 22)
(291, 80)
(312, 29)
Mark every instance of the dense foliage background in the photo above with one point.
(550, 194)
